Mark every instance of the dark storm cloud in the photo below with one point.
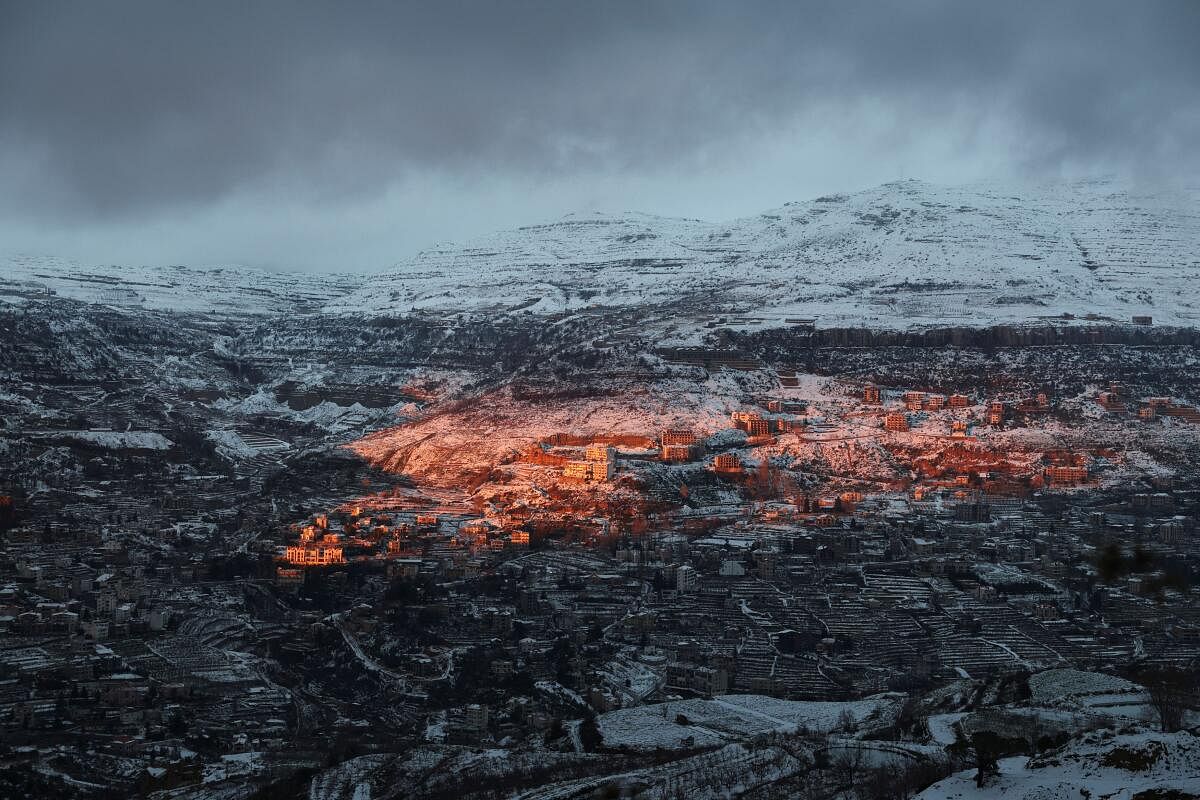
(115, 110)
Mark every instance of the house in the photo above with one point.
(474, 717)
(752, 422)
(727, 462)
(288, 577)
(759, 427)
(732, 569)
(577, 470)
(588, 471)
(1142, 320)
(678, 436)
(704, 681)
(787, 406)
(404, 568)
(685, 578)
(316, 554)
(1059, 474)
(678, 452)
(600, 452)
(995, 413)
(958, 401)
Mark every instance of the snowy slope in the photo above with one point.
(903, 254)
(227, 290)
(1140, 766)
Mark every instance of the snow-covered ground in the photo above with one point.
(1054, 685)
(730, 717)
(226, 290)
(903, 254)
(124, 440)
(492, 429)
(1091, 693)
(1100, 766)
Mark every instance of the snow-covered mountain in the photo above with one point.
(903, 254)
(219, 290)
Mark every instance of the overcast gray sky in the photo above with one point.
(335, 136)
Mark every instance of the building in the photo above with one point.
(787, 406)
(600, 452)
(935, 402)
(324, 553)
(758, 427)
(678, 436)
(732, 569)
(1066, 474)
(588, 471)
(871, 395)
(914, 401)
(752, 422)
(678, 452)
(475, 717)
(958, 401)
(685, 578)
(577, 470)
(704, 681)
(727, 462)
(995, 413)
(288, 577)
(404, 568)
(599, 465)
(895, 422)
(1142, 320)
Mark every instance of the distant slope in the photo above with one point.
(221, 290)
(900, 255)
(1142, 766)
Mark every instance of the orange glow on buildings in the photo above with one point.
(311, 553)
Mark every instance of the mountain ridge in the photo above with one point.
(905, 254)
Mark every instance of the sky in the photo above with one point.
(348, 136)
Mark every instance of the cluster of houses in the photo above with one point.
(318, 546)
(1113, 401)
(917, 401)
(393, 539)
(995, 412)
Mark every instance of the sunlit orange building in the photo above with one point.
(326, 552)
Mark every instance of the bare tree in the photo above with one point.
(1168, 688)
(848, 763)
